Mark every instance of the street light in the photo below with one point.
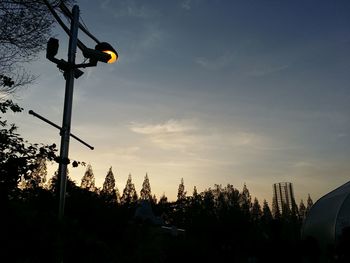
(103, 52)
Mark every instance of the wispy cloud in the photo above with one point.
(170, 126)
(172, 134)
(183, 134)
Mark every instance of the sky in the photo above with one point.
(215, 92)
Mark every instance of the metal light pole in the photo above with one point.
(103, 52)
(67, 111)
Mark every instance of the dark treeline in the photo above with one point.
(219, 223)
(105, 225)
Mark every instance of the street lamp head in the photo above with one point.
(103, 52)
(107, 48)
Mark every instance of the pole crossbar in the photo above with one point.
(31, 112)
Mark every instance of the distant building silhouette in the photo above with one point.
(283, 196)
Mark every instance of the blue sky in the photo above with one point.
(253, 92)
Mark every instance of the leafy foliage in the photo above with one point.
(18, 158)
(38, 176)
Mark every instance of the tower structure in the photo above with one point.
(283, 196)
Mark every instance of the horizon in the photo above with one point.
(120, 185)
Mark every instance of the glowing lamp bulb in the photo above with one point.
(113, 58)
(108, 49)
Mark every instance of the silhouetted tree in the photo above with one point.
(286, 211)
(54, 184)
(162, 208)
(217, 192)
(245, 200)
(18, 158)
(266, 212)
(302, 210)
(181, 193)
(233, 196)
(129, 193)
(108, 192)
(256, 212)
(207, 216)
(194, 208)
(294, 209)
(309, 204)
(88, 180)
(25, 27)
(196, 198)
(145, 193)
(154, 199)
(37, 177)
(195, 193)
(208, 201)
(109, 183)
(163, 199)
(220, 198)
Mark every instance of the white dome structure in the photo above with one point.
(328, 217)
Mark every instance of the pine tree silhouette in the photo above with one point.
(256, 212)
(181, 193)
(129, 193)
(266, 212)
(109, 183)
(309, 204)
(145, 193)
(245, 200)
(302, 210)
(88, 180)
(109, 192)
